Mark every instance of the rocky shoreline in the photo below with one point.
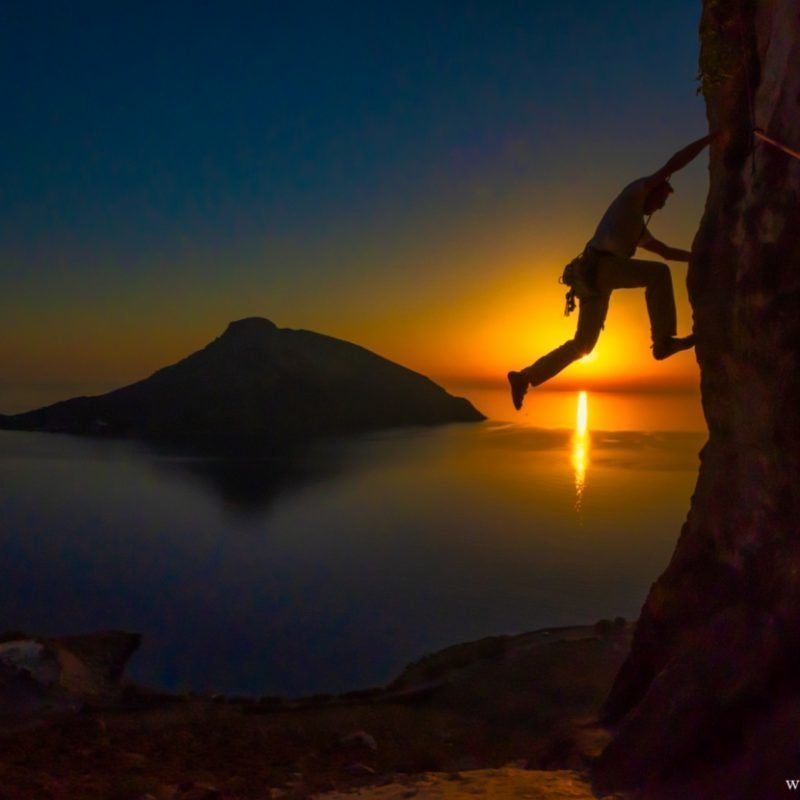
(508, 711)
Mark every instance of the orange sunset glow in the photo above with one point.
(504, 313)
(451, 269)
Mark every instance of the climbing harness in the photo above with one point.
(581, 273)
(570, 278)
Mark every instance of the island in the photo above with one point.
(258, 382)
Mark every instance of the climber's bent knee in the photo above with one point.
(583, 346)
(660, 272)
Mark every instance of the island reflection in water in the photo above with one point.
(359, 556)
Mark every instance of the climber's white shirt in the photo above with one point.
(622, 227)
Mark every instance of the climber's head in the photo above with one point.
(657, 197)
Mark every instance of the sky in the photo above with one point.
(411, 177)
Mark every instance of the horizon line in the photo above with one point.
(598, 386)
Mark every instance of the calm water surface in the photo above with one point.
(331, 569)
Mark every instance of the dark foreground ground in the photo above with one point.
(509, 716)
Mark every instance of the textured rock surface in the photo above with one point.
(716, 648)
(507, 783)
(258, 380)
(92, 665)
(41, 676)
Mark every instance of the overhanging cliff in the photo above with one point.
(718, 641)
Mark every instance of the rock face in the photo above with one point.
(40, 676)
(716, 648)
(257, 380)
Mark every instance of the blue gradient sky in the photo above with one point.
(408, 176)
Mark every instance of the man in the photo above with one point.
(607, 264)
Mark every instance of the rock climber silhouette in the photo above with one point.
(607, 264)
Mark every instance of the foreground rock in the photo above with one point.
(41, 676)
(511, 715)
(507, 783)
(258, 381)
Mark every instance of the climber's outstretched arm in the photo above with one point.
(678, 161)
(665, 251)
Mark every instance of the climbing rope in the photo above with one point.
(764, 138)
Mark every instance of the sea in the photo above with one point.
(331, 567)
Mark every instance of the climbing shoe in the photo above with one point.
(519, 385)
(665, 348)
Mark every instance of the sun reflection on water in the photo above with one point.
(580, 448)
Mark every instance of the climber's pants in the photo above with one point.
(612, 272)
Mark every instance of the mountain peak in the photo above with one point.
(250, 326)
